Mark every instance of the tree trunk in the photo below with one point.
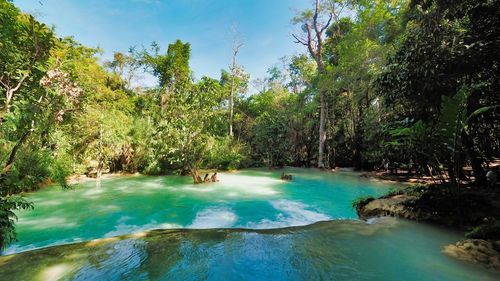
(322, 132)
(476, 162)
(231, 106)
(12, 156)
(314, 31)
(358, 139)
(10, 92)
(164, 99)
(236, 48)
(196, 176)
(100, 166)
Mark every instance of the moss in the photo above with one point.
(361, 201)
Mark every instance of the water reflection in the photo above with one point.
(388, 249)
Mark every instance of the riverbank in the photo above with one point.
(76, 179)
(401, 178)
(474, 212)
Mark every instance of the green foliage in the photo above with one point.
(32, 168)
(361, 201)
(271, 140)
(225, 153)
(302, 72)
(409, 143)
(485, 231)
(35, 94)
(9, 204)
(452, 119)
(406, 80)
(171, 69)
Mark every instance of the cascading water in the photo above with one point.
(343, 248)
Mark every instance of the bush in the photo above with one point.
(32, 168)
(225, 154)
(414, 190)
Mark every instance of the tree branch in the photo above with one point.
(10, 92)
(327, 23)
(12, 157)
(299, 40)
(3, 84)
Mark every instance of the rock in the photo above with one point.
(286, 177)
(395, 206)
(486, 253)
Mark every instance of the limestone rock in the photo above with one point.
(395, 206)
(486, 253)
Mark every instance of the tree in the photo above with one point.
(124, 67)
(448, 47)
(266, 117)
(172, 69)
(301, 70)
(24, 51)
(234, 83)
(314, 24)
(183, 134)
(38, 95)
(235, 71)
(356, 49)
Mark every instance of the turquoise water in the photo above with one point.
(247, 199)
(249, 226)
(388, 249)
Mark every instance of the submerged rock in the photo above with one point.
(486, 253)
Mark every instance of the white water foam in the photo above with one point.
(123, 228)
(235, 185)
(47, 223)
(17, 249)
(214, 217)
(292, 213)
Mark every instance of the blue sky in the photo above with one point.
(115, 25)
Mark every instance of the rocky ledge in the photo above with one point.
(478, 214)
(486, 253)
(394, 206)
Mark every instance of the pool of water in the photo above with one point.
(255, 199)
(387, 249)
(248, 226)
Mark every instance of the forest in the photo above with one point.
(409, 84)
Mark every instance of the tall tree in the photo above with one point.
(237, 44)
(172, 69)
(314, 24)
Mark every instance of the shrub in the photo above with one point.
(225, 154)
